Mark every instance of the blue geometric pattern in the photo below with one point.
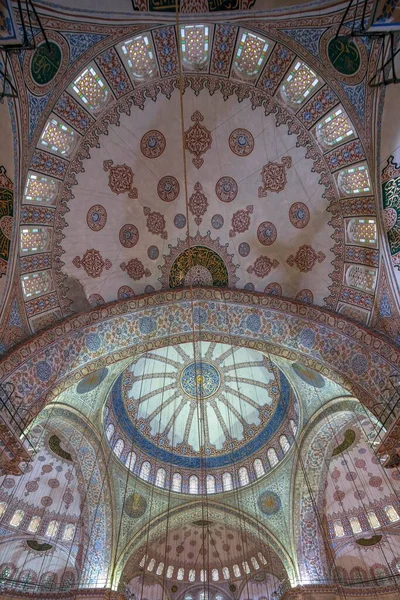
(36, 108)
(356, 95)
(80, 42)
(308, 38)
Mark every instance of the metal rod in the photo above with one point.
(343, 18)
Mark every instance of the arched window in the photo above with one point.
(258, 468)
(357, 575)
(361, 278)
(69, 532)
(17, 517)
(293, 426)
(181, 573)
(262, 558)
(254, 562)
(299, 83)
(250, 54)
(139, 56)
(40, 188)
(67, 581)
(192, 575)
(26, 578)
(193, 485)
(236, 571)
(110, 431)
(284, 442)
(48, 581)
(362, 230)
(170, 571)
(246, 567)
(195, 45)
(225, 572)
(203, 575)
(176, 482)
(5, 572)
(36, 284)
(130, 460)
(210, 484)
(57, 137)
(52, 529)
(391, 513)
(227, 482)
(338, 528)
(145, 470)
(215, 575)
(3, 506)
(160, 568)
(272, 457)
(119, 447)
(373, 520)
(151, 564)
(90, 88)
(335, 128)
(34, 524)
(355, 525)
(354, 180)
(243, 476)
(143, 561)
(160, 477)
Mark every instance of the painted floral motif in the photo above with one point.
(299, 215)
(262, 266)
(273, 176)
(135, 269)
(217, 221)
(96, 217)
(92, 262)
(125, 292)
(305, 258)
(198, 203)
(244, 249)
(305, 296)
(96, 300)
(129, 236)
(180, 221)
(168, 188)
(120, 179)
(226, 189)
(153, 144)
(273, 289)
(266, 233)
(197, 139)
(241, 142)
(153, 252)
(241, 221)
(155, 222)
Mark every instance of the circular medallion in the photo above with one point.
(153, 252)
(266, 233)
(217, 221)
(299, 215)
(152, 144)
(168, 188)
(129, 236)
(45, 62)
(244, 249)
(269, 503)
(125, 292)
(344, 55)
(135, 505)
(180, 221)
(96, 217)
(241, 142)
(273, 289)
(200, 379)
(226, 189)
(309, 376)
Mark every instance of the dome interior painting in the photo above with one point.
(200, 314)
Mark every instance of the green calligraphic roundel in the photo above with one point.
(45, 62)
(344, 55)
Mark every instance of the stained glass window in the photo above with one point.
(362, 230)
(354, 180)
(254, 562)
(69, 532)
(272, 457)
(67, 581)
(203, 575)
(5, 572)
(373, 520)
(250, 54)
(145, 470)
(52, 529)
(227, 482)
(17, 517)
(258, 468)
(3, 506)
(143, 561)
(160, 568)
(180, 574)
(299, 83)
(215, 575)
(160, 477)
(193, 485)
(139, 56)
(284, 442)
(361, 278)
(194, 45)
(243, 476)
(246, 567)
(192, 575)
(151, 564)
(57, 137)
(110, 431)
(262, 558)
(210, 484)
(48, 581)
(40, 188)
(91, 89)
(225, 572)
(118, 447)
(34, 524)
(338, 528)
(170, 571)
(335, 128)
(392, 513)
(355, 525)
(176, 482)
(35, 284)
(34, 239)
(131, 460)
(236, 571)
(293, 426)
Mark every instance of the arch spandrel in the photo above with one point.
(349, 354)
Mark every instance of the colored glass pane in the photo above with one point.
(57, 137)
(131, 460)
(334, 128)
(160, 477)
(391, 513)
(45, 62)
(293, 426)
(250, 54)
(284, 442)
(362, 231)
(192, 575)
(203, 575)
(3, 506)
(355, 525)
(119, 447)
(258, 468)
(373, 520)
(34, 524)
(110, 431)
(194, 45)
(338, 528)
(52, 529)
(40, 188)
(210, 484)
(236, 571)
(170, 571)
(193, 485)
(177, 482)
(246, 567)
(225, 572)
(354, 180)
(69, 532)
(254, 562)
(272, 457)
(243, 476)
(35, 284)
(160, 568)
(180, 574)
(151, 564)
(361, 278)
(262, 558)
(299, 83)
(34, 239)
(227, 482)
(91, 89)
(145, 471)
(215, 575)
(17, 517)
(139, 56)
